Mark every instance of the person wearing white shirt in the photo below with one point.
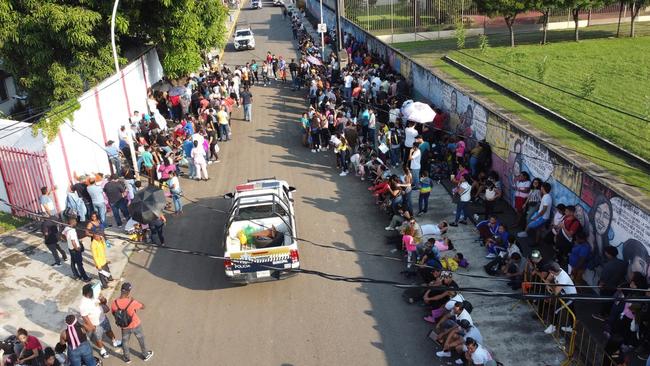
(75, 249)
(477, 353)
(563, 286)
(414, 161)
(92, 309)
(464, 191)
(541, 217)
(198, 157)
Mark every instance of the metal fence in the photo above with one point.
(579, 345)
(391, 17)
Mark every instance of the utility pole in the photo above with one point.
(339, 38)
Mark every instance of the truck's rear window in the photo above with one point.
(260, 212)
(243, 33)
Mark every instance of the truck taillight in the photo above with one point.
(294, 255)
(227, 263)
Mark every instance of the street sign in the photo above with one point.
(322, 28)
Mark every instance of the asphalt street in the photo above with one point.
(193, 316)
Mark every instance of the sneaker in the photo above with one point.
(148, 356)
(522, 234)
(454, 224)
(117, 343)
(127, 360)
(567, 329)
(476, 217)
(464, 222)
(210, 162)
(87, 279)
(388, 228)
(550, 329)
(103, 353)
(430, 319)
(459, 362)
(343, 174)
(56, 265)
(313, 150)
(598, 317)
(490, 256)
(443, 354)
(65, 259)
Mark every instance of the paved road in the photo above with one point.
(194, 317)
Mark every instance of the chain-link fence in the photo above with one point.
(393, 17)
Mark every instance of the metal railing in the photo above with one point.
(577, 343)
(392, 17)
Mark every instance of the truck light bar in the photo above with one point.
(256, 185)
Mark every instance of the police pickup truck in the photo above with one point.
(260, 234)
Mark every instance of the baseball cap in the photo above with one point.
(126, 287)
(446, 274)
(535, 255)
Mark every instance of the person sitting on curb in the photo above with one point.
(456, 339)
(539, 219)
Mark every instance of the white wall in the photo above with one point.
(78, 148)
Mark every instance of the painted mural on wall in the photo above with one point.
(607, 218)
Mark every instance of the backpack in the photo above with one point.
(122, 317)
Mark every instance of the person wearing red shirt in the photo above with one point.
(126, 302)
(30, 349)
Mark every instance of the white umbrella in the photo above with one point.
(418, 112)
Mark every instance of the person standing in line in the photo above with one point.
(147, 161)
(415, 157)
(96, 192)
(131, 325)
(156, 227)
(46, 202)
(76, 340)
(426, 185)
(224, 123)
(198, 156)
(50, 230)
(175, 188)
(113, 154)
(93, 310)
(247, 101)
(98, 248)
(116, 194)
(464, 191)
(75, 249)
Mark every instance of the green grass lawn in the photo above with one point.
(9, 222)
(619, 68)
(618, 65)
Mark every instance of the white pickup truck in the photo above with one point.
(260, 234)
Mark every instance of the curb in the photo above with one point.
(232, 28)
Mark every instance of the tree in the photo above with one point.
(545, 6)
(508, 9)
(576, 7)
(621, 6)
(57, 49)
(635, 7)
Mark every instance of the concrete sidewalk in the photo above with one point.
(507, 326)
(36, 296)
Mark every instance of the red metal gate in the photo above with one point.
(24, 174)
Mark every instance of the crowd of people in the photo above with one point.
(80, 332)
(355, 110)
